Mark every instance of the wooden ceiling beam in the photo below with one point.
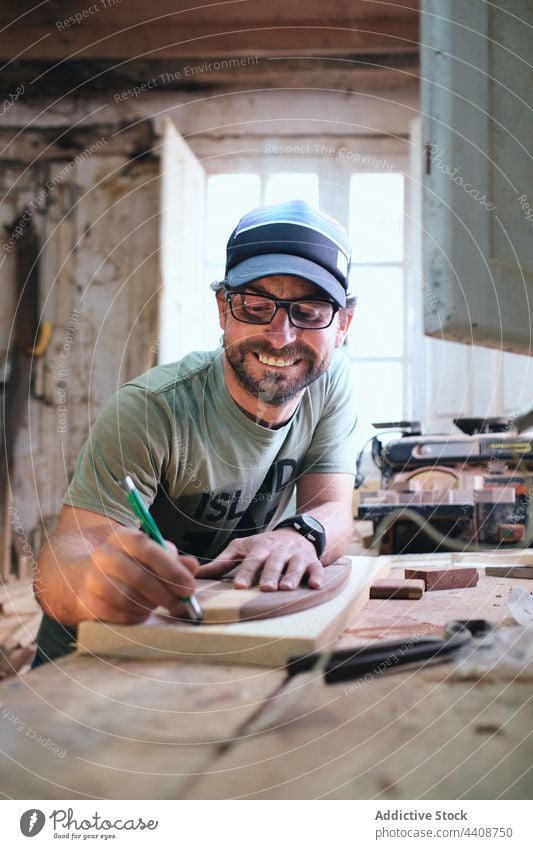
(134, 30)
(148, 78)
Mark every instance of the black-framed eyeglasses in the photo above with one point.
(308, 314)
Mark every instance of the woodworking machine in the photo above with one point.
(474, 486)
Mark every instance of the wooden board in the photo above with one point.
(222, 604)
(265, 642)
(480, 559)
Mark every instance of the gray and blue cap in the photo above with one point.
(290, 238)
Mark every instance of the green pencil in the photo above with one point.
(149, 527)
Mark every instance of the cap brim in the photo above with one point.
(268, 265)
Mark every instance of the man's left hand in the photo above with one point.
(280, 559)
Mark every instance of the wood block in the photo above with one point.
(263, 642)
(15, 589)
(510, 571)
(397, 589)
(518, 557)
(445, 579)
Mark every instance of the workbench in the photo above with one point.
(87, 728)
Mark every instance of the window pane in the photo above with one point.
(379, 390)
(282, 187)
(229, 196)
(376, 217)
(518, 380)
(377, 327)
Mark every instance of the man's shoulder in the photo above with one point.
(337, 373)
(170, 376)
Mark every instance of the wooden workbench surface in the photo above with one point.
(88, 727)
(423, 733)
(141, 729)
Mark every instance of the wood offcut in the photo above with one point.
(445, 579)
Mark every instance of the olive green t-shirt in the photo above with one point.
(206, 470)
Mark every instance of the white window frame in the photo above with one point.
(398, 165)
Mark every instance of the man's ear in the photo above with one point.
(223, 308)
(345, 319)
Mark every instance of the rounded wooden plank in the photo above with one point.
(221, 603)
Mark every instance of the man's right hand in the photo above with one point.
(92, 567)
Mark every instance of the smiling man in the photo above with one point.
(218, 443)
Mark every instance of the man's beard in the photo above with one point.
(275, 389)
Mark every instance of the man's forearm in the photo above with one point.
(60, 569)
(338, 524)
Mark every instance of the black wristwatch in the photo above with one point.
(309, 528)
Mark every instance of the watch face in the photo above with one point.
(312, 523)
(309, 528)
